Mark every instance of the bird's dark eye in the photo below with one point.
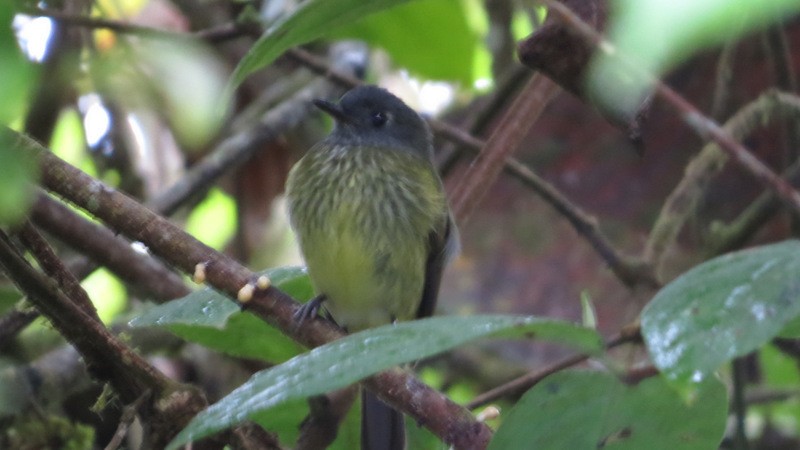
(379, 119)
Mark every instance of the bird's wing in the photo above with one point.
(443, 245)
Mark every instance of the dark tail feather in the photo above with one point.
(381, 426)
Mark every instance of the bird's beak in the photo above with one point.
(332, 109)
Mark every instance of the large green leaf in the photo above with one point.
(583, 410)
(311, 19)
(359, 355)
(440, 33)
(658, 34)
(721, 309)
(211, 319)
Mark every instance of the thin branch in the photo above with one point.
(107, 249)
(723, 83)
(126, 419)
(527, 381)
(105, 356)
(780, 56)
(682, 202)
(738, 403)
(699, 123)
(55, 268)
(630, 270)
(13, 322)
(116, 26)
(726, 237)
(137, 269)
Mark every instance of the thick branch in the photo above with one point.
(452, 423)
(104, 355)
(107, 249)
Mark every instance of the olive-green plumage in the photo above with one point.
(373, 224)
(363, 226)
(370, 212)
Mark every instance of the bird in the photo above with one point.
(373, 224)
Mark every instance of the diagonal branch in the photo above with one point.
(705, 127)
(105, 356)
(451, 422)
(505, 139)
(682, 202)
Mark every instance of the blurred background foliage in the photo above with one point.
(138, 106)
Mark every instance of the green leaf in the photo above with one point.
(360, 355)
(721, 309)
(591, 410)
(658, 34)
(20, 171)
(17, 75)
(311, 19)
(182, 79)
(441, 33)
(211, 319)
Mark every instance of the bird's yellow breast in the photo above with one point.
(362, 219)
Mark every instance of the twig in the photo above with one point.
(726, 237)
(128, 415)
(117, 26)
(631, 271)
(13, 322)
(683, 200)
(785, 80)
(700, 124)
(529, 380)
(723, 83)
(238, 148)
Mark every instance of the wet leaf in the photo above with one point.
(721, 309)
(359, 355)
(211, 319)
(311, 19)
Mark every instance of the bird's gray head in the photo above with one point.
(371, 116)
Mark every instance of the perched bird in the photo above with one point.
(373, 225)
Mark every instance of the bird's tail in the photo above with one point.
(382, 427)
